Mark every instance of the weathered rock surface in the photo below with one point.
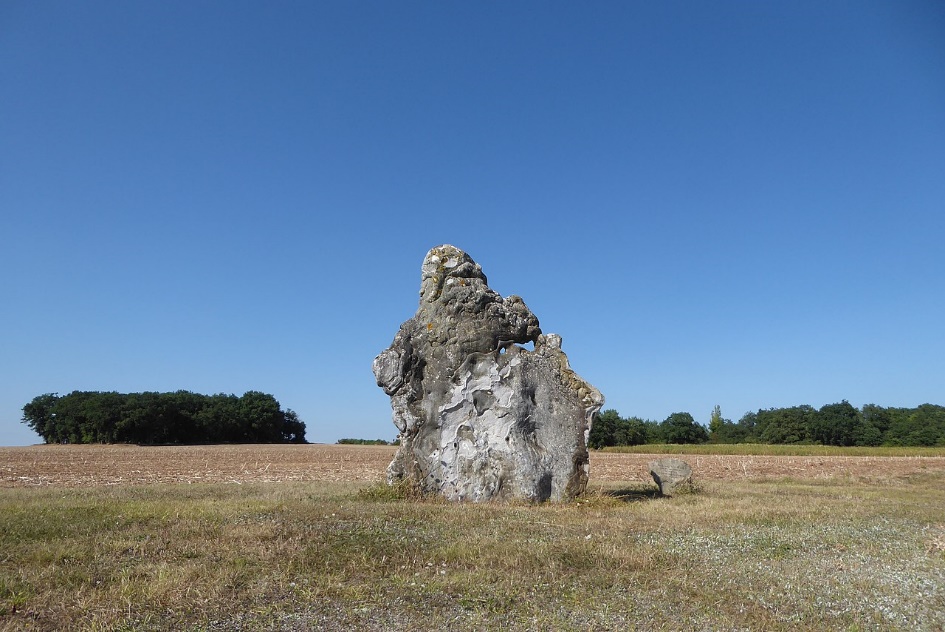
(672, 476)
(481, 417)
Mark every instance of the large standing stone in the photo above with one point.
(481, 417)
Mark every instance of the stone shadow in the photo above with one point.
(632, 495)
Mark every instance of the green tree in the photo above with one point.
(654, 431)
(220, 417)
(40, 416)
(261, 418)
(715, 421)
(101, 413)
(924, 425)
(729, 432)
(631, 431)
(293, 428)
(604, 430)
(876, 421)
(837, 424)
(785, 425)
(682, 428)
(722, 430)
(70, 414)
(159, 418)
(748, 425)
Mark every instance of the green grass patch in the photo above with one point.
(763, 449)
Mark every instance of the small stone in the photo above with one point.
(672, 476)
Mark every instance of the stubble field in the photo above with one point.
(306, 537)
(108, 465)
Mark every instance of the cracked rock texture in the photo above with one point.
(481, 417)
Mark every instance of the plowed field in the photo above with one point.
(101, 465)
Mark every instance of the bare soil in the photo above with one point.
(103, 465)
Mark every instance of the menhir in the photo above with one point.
(481, 417)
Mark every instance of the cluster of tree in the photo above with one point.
(365, 442)
(611, 429)
(162, 418)
(835, 424)
(838, 424)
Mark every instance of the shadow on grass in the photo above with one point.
(631, 495)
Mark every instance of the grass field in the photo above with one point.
(304, 537)
(761, 449)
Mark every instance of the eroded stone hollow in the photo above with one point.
(481, 417)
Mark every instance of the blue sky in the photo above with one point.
(732, 203)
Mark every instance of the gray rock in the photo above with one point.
(481, 417)
(673, 476)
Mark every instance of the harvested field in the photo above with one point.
(98, 465)
(608, 467)
(105, 465)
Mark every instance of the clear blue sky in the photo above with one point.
(732, 203)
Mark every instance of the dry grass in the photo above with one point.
(807, 547)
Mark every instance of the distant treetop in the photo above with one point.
(838, 424)
(150, 418)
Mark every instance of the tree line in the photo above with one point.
(839, 424)
(149, 418)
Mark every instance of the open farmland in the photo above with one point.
(97, 465)
(303, 537)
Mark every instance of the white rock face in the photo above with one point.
(481, 417)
